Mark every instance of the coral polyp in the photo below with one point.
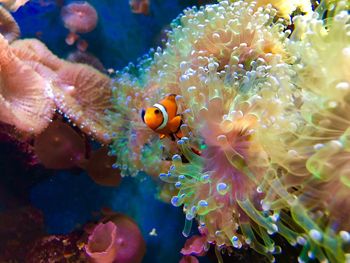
(265, 146)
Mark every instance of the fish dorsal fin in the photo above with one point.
(171, 97)
(164, 113)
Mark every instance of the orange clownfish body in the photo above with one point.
(162, 117)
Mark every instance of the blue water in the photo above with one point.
(120, 37)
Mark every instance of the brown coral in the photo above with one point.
(8, 26)
(26, 98)
(13, 5)
(83, 94)
(35, 50)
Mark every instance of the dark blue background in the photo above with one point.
(120, 36)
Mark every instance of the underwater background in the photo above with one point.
(174, 131)
(69, 199)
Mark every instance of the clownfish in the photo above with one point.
(162, 118)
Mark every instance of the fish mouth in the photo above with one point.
(143, 113)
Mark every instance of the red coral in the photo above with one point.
(195, 246)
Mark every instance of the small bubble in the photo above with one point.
(222, 188)
(183, 65)
(192, 88)
(205, 178)
(315, 234)
(275, 217)
(301, 241)
(265, 205)
(345, 236)
(176, 157)
(185, 139)
(162, 175)
(218, 233)
(259, 190)
(181, 177)
(274, 227)
(178, 184)
(234, 239)
(189, 216)
(175, 201)
(180, 142)
(343, 86)
(293, 153)
(310, 254)
(318, 146)
(193, 210)
(203, 203)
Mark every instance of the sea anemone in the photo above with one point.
(228, 89)
(316, 151)
(286, 8)
(29, 106)
(136, 147)
(8, 26)
(79, 17)
(265, 144)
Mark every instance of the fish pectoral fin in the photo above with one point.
(175, 123)
(162, 136)
(179, 134)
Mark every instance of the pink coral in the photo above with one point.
(79, 17)
(102, 245)
(188, 259)
(131, 245)
(119, 240)
(194, 246)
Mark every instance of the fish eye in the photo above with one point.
(156, 111)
